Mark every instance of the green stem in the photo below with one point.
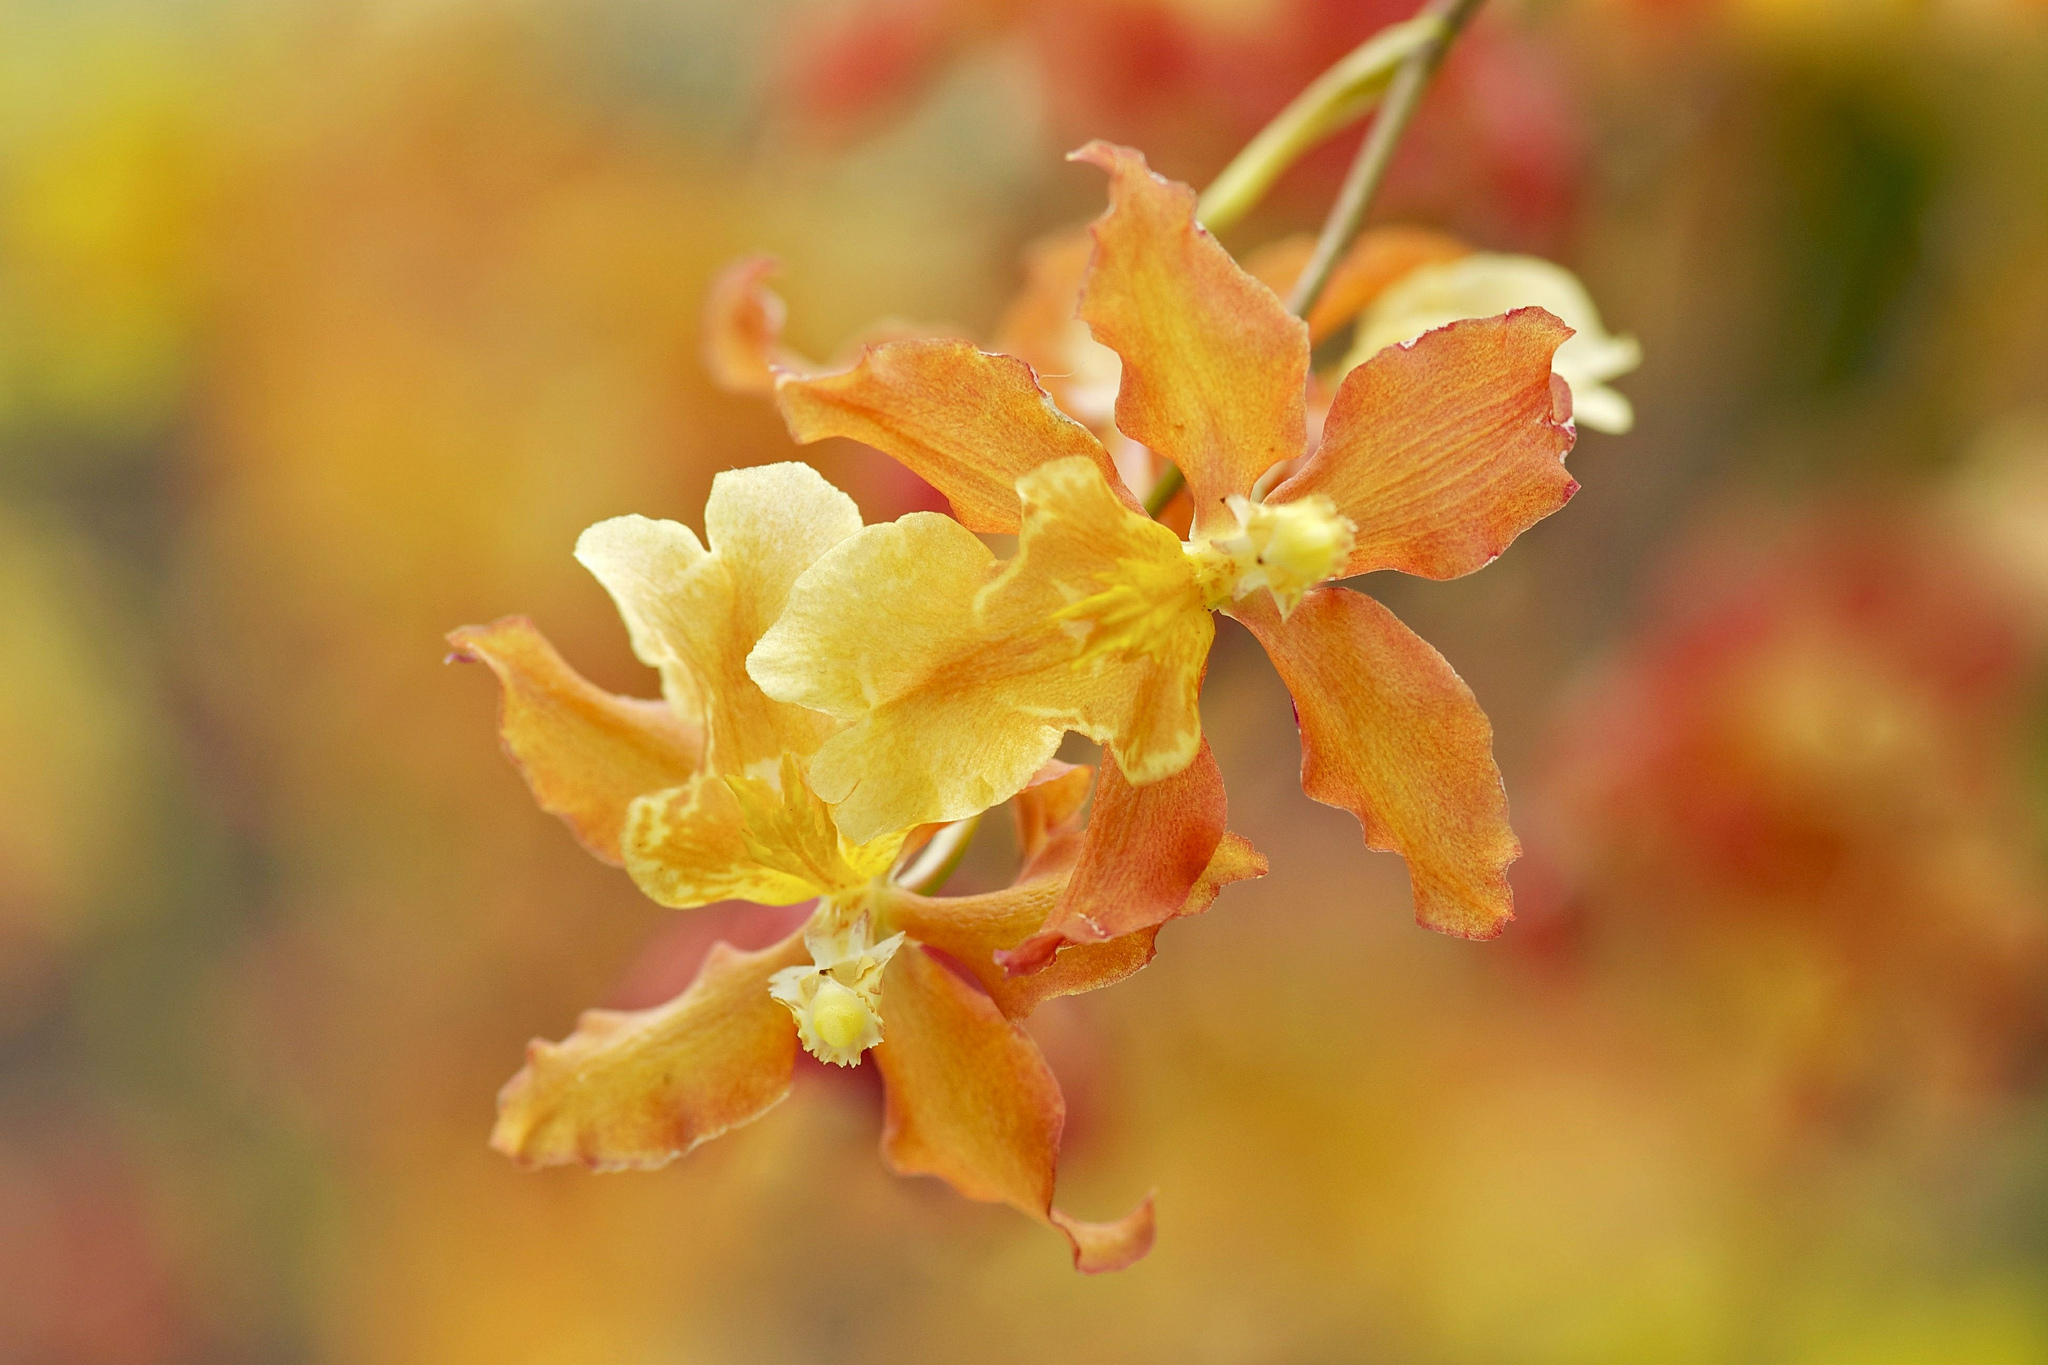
(938, 860)
(1169, 482)
(1342, 94)
(1376, 153)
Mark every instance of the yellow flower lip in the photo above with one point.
(1286, 548)
(838, 1014)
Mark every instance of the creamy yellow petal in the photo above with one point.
(695, 614)
(958, 679)
(639, 1088)
(688, 846)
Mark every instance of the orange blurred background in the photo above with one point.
(325, 326)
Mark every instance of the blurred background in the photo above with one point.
(325, 325)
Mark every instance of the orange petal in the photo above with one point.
(1444, 451)
(1215, 369)
(585, 752)
(967, 422)
(1391, 734)
(1146, 849)
(1379, 257)
(637, 1089)
(743, 321)
(1049, 807)
(971, 1100)
(974, 929)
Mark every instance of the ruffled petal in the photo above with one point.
(966, 421)
(688, 846)
(1391, 734)
(1485, 284)
(695, 614)
(1442, 452)
(585, 752)
(1215, 369)
(743, 321)
(957, 678)
(1146, 849)
(1379, 258)
(636, 1089)
(971, 1101)
(974, 929)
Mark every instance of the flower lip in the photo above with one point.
(1286, 548)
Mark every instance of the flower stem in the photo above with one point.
(1345, 92)
(1376, 153)
(937, 860)
(1340, 94)
(1169, 482)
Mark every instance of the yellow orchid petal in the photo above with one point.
(688, 846)
(971, 1101)
(958, 679)
(1215, 369)
(695, 613)
(585, 752)
(966, 421)
(1391, 734)
(639, 1088)
(1485, 284)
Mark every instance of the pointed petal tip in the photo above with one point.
(1100, 1248)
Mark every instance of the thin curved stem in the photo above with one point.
(1376, 153)
(939, 859)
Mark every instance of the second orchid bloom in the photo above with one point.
(956, 675)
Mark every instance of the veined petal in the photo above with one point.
(974, 929)
(1215, 369)
(1379, 258)
(1442, 452)
(695, 614)
(743, 321)
(958, 679)
(584, 752)
(1146, 849)
(967, 422)
(639, 1088)
(1391, 734)
(970, 1100)
(688, 846)
(1484, 284)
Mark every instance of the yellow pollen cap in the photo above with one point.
(838, 1014)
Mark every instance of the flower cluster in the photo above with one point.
(842, 702)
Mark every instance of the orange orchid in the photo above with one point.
(702, 797)
(955, 674)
